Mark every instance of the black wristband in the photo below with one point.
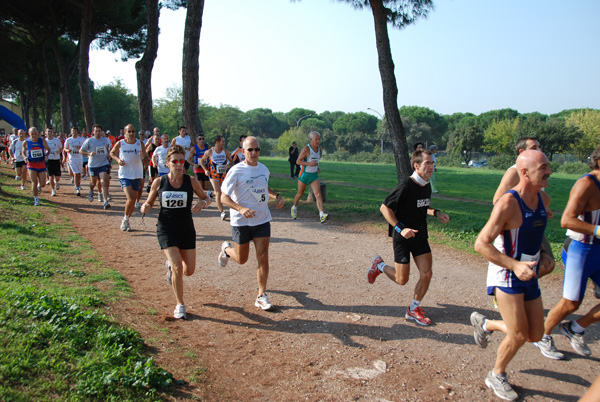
(435, 211)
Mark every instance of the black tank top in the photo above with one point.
(175, 203)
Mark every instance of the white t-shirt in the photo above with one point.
(161, 159)
(248, 186)
(185, 142)
(16, 147)
(75, 144)
(131, 155)
(102, 147)
(55, 146)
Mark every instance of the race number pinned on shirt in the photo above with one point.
(37, 153)
(260, 193)
(174, 199)
(528, 258)
(75, 150)
(221, 169)
(101, 151)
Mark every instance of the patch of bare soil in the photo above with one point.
(332, 336)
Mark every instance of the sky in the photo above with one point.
(467, 56)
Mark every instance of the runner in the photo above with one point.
(16, 153)
(512, 242)
(160, 156)
(309, 175)
(196, 153)
(129, 154)
(35, 151)
(175, 226)
(246, 191)
(75, 159)
(153, 143)
(216, 161)
(97, 149)
(581, 256)
(406, 209)
(54, 172)
(237, 156)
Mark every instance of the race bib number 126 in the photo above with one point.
(174, 199)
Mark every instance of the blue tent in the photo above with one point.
(12, 118)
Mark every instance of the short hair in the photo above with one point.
(313, 133)
(417, 157)
(242, 137)
(218, 138)
(416, 145)
(179, 129)
(96, 125)
(175, 149)
(433, 147)
(49, 128)
(594, 157)
(521, 144)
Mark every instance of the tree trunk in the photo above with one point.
(84, 64)
(145, 65)
(191, 67)
(65, 107)
(48, 89)
(24, 106)
(390, 90)
(34, 109)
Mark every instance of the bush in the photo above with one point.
(501, 162)
(449, 161)
(573, 168)
(361, 157)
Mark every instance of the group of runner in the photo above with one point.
(512, 240)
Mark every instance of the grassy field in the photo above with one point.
(363, 187)
(57, 343)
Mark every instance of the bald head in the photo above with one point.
(250, 142)
(533, 166)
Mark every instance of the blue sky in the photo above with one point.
(468, 56)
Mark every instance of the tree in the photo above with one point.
(588, 122)
(416, 131)
(115, 106)
(397, 13)
(355, 122)
(191, 66)
(484, 120)
(144, 66)
(419, 114)
(293, 134)
(465, 140)
(262, 122)
(499, 136)
(167, 111)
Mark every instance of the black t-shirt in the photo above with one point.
(175, 204)
(410, 202)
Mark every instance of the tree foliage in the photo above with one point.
(588, 122)
(115, 106)
(466, 140)
(498, 137)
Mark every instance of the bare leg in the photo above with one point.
(183, 262)
(316, 188)
(558, 313)
(262, 255)
(301, 189)
(217, 191)
(424, 264)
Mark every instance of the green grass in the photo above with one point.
(56, 343)
(365, 186)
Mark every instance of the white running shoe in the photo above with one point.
(294, 212)
(36, 201)
(91, 196)
(57, 186)
(39, 187)
(499, 384)
(106, 205)
(22, 187)
(137, 205)
(125, 227)
(53, 193)
(577, 340)
(77, 191)
(323, 217)
(481, 336)
(179, 312)
(223, 215)
(17, 177)
(100, 198)
(263, 302)
(546, 346)
(223, 257)
(209, 193)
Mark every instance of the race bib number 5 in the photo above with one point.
(174, 199)
(261, 194)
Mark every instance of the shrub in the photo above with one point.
(501, 162)
(449, 161)
(573, 168)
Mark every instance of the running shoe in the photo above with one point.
(22, 187)
(91, 196)
(418, 315)
(106, 205)
(499, 384)
(148, 188)
(100, 198)
(179, 312)
(480, 335)
(223, 215)
(36, 201)
(597, 291)
(323, 217)
(17, 177)
(374, 272)
(137, 205)
(577, 340)
(72, 180)
(223, 257)
(78, 191)
(53, 193)
(57, 186)
(169, 272)
(39, 187)
(495, 302)
(263, 302)
(546, 346)
(108, 198)
(125, 227)
(294, 212)
(209, 193)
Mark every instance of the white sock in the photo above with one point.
(546, 337)
(414, 305)
(381, 266)
(575, 327)
(484, 326)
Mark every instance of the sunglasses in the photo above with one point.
(131, 131)
(253, 149)
(181, 161)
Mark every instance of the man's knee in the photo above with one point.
(569, 306)
(426, 275)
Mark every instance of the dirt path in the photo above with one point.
(333, 337)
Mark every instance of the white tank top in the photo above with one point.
(313, 156)
(185, 142)
(131, 155)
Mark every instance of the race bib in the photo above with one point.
(261, 194)
(174, 199)
(36, 153)
(75, 150)
(221, 169)
(536, 258)
(101, 151)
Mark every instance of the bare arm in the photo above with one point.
(579, 198)
(509, 180)
(303, 155)
(114, 153)
(203, 160)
